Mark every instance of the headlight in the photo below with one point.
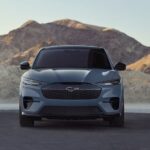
(32, 82)
(110, 82)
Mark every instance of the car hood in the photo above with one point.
(71, 75)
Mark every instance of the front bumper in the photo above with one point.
(58, 108)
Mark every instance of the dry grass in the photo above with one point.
(9, 83)
(137, 86)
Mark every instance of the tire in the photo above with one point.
(25, 121)
(117, 121)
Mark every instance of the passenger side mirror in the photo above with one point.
(24, 65)
(120, 66)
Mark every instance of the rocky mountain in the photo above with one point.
(23, 43)
(141, 65)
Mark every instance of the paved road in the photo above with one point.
(75, 135)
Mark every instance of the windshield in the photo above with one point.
(72, 58)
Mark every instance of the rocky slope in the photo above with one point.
(24, 42)
(141, 65)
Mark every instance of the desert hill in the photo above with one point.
(24, 42)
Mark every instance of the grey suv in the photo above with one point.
(71, 82)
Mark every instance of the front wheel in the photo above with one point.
(25, 121)
(117, 120)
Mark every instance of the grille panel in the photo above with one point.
(71, 91)
(71, 111)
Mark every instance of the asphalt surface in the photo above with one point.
(75, 135)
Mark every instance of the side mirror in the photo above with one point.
(120, 66)
(24, 65)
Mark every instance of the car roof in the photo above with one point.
(71, 46)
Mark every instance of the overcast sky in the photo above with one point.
(129, 16)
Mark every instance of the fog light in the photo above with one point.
(27, 102)
(114, 101)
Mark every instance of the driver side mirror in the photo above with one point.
(24, 65)
(120, 66)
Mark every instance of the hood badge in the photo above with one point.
(72, 89)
